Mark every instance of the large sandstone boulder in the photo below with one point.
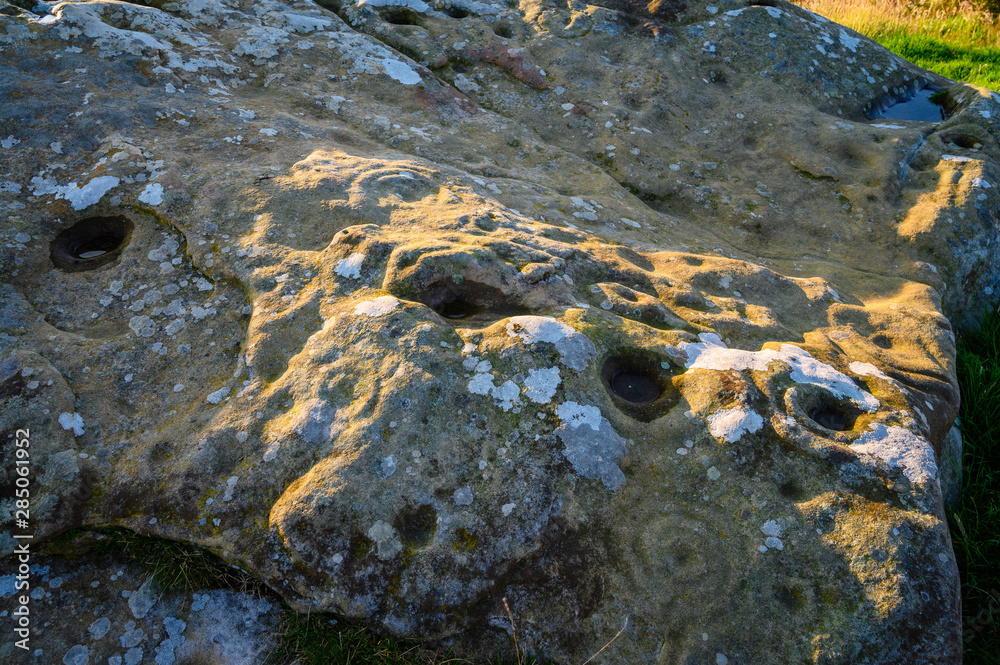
(616, 311)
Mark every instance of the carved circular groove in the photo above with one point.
(90, 243)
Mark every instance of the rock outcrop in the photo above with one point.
(616, 311)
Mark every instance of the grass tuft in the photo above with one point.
(319, 639)
(172, 564)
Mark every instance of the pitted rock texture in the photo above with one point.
(616, 311)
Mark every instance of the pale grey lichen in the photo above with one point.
(575, 349)
(386, 540)
(592, 445)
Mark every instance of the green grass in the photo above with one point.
(975, 64)
(959, 39)
(976, 520)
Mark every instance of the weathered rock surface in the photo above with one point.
(618, 311)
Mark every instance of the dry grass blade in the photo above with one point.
(513, 630)
(617, 635)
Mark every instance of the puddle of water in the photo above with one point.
(635, 388)
(919, 107)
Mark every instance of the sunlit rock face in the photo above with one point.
(619, 312)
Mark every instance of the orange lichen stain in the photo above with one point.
(464, 541)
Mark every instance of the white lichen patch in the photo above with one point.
(592, 445)
(541, 384)
(376, 308)
(574, 414)
(351, 266)
(575, 349)
(99, 628)
(731, 424)
(899, 448)
(78, 197)
(771, 528)
(848, 41)
(401, 71)
(711, 353)
(387, 466)
(230, 486)
(867, 369)
(506, 396)
(481, 384)
(152, 194)
(72, 421)
(386, 540)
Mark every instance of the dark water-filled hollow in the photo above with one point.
(919, 108)
(399, 15)
(638, 384)
(468, 303)
(830, 419)
(90, 243)
(456, 12)
(457, 308)
(964, 141)
(635, 388)
(830, 412)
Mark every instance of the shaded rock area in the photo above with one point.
(101, 608)
(619, 311)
